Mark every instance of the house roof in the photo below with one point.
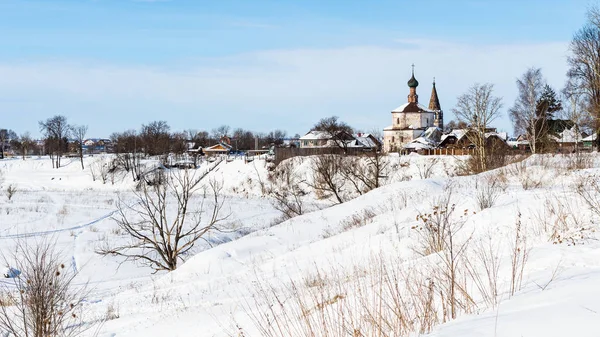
(458, 133)
(569, 136)
(411, 107)
(364, 140)
(590, 138)
(314, 134)
(217, 148)
(429, 139)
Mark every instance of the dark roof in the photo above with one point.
(412, 107)
(434, 102)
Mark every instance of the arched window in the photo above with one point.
(392, 139)
(397, 120)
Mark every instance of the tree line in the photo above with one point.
(152, 139)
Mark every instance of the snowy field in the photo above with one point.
(335, 251)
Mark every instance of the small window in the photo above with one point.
(392, 139)
(397, 120)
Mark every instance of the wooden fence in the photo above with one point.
(446, 152)
(283, 153)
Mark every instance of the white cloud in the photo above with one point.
(290, 89)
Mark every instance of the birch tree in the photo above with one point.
(478, 108)
(79, 132)
(527, 114)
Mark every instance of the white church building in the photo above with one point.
(411, 119)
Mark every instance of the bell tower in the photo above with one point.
(434, 105)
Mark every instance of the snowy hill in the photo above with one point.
(528, 260)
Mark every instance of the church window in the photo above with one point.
(392, 139)
(397, 120)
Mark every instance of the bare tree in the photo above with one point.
(575, 111)
(286, 190)
(162, 233)
(79, 132)
(584, 65)
(26, 144)
(326, 176)
(221, 131)
(3, 141)
(56, 129)
(366, 172)
(339, 131)
(243, 139)
(527, 115)
(478, 108)
(127, 144)
(155, 138)
(41, 298)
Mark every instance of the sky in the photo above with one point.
(264, 64)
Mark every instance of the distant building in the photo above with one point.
(411, 119)
(320, 139)
(97, 145)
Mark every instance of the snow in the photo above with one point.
(207, 294)
(403, 106)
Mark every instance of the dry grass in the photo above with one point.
(488, 190)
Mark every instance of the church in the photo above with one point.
(411, 119)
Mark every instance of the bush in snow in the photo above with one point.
(44, 300)
(488, 190)
(10, 191)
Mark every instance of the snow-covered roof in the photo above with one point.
(365, 140)
(590, 138)
(313, 134)
(458, 133)
(418, 144)
(405, 105)
(569, 136)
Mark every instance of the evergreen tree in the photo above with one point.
(548, 102)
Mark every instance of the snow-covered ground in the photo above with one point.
(214, 292)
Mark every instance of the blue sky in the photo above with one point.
(115, 65)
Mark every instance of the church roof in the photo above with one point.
(411, 107)
(434, 102)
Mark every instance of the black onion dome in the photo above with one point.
(413, 83)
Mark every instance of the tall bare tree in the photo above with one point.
(221, 131)
(167, 220)
(155, 137)
(327, 178)
(478, 108)
(26, 143)
(56, 130)
(575, 111)
(584, 65)
(529, 114)
(3, 139)
(339, 131)
(79, 132)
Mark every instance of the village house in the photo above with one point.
(321, 139)
(97, 145)
(221, 148)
